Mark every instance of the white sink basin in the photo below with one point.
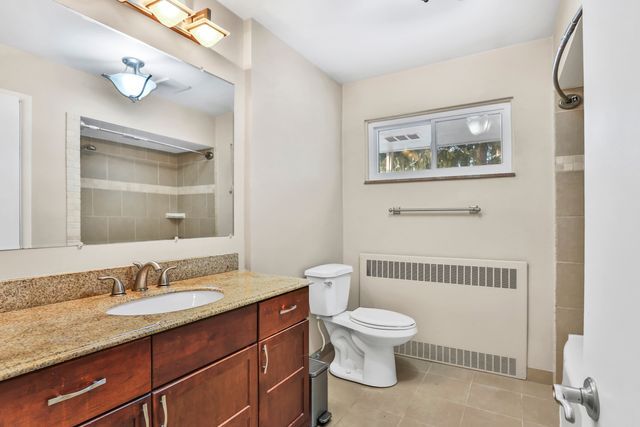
(166, 303)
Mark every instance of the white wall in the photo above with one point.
(517, 219)
(10, 171)
(33, 262)
(294, 191)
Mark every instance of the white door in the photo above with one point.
(612, 207)
(9, 172)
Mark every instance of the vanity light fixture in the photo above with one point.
(133, 84)
(196, 26)
(169, 12)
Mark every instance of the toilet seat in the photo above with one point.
(376, 318)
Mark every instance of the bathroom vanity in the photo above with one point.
(241, 361)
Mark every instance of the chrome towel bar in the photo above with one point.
(474, 210)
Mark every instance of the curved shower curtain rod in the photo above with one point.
(567, 101)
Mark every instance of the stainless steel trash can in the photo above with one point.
(320, 414)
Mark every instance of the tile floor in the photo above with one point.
(435, 395)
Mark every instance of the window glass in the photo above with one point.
(405, 148)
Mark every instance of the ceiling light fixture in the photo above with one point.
(196, 26)
(133, 84)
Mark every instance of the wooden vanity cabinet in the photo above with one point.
(247, 367)
(223, 393)
(134, 414)
(284, 378)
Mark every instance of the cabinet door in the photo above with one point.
(224, 392)
(284, 378)
(134, 414)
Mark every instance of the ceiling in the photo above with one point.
(356, 39)
(60, 35)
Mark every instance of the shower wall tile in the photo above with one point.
(121, 229)
(107, 203)
(131, 152)
(93, 165)
(168, 174)
(134, 204)
(570, 285)
(121, 169)
(167, 228)
(94, 230)
(146, 172)
(158, 205)
(570, 239)
(86, 201)
(570, 194)
(570, 133)
(145, 229)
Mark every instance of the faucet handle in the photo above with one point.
(118, 287)
(137, 264)
(164, 276)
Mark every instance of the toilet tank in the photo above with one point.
(329, 289)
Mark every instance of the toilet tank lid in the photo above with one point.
(328, 270)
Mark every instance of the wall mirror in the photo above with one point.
(104, 139)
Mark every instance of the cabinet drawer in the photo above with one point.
(182, 350)
(283, 311)
(77, 390)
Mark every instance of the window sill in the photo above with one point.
(441, 178)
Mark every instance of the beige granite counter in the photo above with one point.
(42, 336)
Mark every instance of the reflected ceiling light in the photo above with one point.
(133, 84)
(478, 124)
(206, 32)
(169, 12)
(196, 26)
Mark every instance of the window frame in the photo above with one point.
(374, 127)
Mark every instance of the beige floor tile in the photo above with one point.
(542, 391)
(435, 412)
(409, 363)
(530, 424)
(541, 411)
(365, 417)
(393, 400)
(444, 387)
(479, 418)
(495, 400)
(451, 371)
(498, 381)
(408, 422)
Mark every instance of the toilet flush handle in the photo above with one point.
(328, 283)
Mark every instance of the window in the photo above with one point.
(453, 143)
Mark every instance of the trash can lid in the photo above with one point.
(316, 367)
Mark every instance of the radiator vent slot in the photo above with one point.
(459, 357)
(467, 275)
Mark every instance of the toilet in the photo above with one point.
(363, 339)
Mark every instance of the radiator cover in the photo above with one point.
(469, 312)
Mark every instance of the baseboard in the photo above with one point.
(539, 376)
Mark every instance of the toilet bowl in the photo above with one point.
(363, 339)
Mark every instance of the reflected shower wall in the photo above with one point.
(131, 193)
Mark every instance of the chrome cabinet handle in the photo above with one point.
(288, 310)
(62, 398)
(145, 412)
(266, 359)
(165, 420)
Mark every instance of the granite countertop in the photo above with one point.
(42, 336)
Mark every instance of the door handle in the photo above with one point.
(94, 385)
(145, 412)
(586, 396)
(165, 418)
(266, 359)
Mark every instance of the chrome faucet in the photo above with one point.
(140, 283)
